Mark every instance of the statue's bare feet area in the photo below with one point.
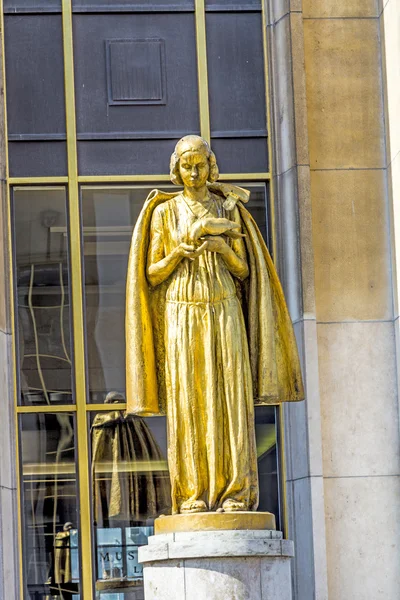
(193, 506)
(231, 505)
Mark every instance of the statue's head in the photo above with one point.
(193, 162)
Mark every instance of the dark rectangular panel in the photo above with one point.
(236, 71)
(35, 74)
(31, 6)
(125, 157)
(244, 155)
(132, 6)
(233, 5)
(37, 159)
(165, 73)
(136, 72)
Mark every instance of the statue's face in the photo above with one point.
(194, 169)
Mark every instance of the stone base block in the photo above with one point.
(216, 565)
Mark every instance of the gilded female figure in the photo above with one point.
(208, 333)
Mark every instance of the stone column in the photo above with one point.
(211, 565)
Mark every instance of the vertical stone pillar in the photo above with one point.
(353, 297)
(9, 562)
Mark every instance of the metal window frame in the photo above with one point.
(72, 181)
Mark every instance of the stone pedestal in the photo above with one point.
(217, 565)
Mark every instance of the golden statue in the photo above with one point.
(208, 332)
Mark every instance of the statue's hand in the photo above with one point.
(189, 251)
(213, 226)
(215, 243)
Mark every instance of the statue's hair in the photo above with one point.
(174, 164)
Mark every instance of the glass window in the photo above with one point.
(50, 512)
(267, 439)
(130, 488)
(43, 295)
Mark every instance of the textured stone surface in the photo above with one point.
(217, 565)
(359, 399)
(277, 10)
(390, 19)
(8, 542)
(309, 532)
(319, 9)
(303, 419)
(363, 537)
(283, 102)
(351, 246)
(236, 579)
(7, 432)
(344, 93)
(212, 544)
(394, 176)
(198, 536)
(161, 583)
(273, 574)
(5, 321)
(299, 87)
(288, 245)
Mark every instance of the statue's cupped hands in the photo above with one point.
(214, 226)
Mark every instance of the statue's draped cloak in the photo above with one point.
(273, 352)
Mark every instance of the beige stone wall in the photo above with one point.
(353, 294)
(390, 35)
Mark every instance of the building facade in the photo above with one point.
(300, 102)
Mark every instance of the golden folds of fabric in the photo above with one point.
(274, 358)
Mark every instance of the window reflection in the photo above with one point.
(43, 308)
(50, 516)
(130, 485)
(267, 426)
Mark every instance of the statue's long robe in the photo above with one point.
(207, 356)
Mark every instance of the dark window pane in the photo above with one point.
(37, 159)
(49, 503)
(132, 5)
(35, 74)
(233, 5)
(236, 72)
(43, 296)
(258, 206)
(34, 6)
(125, 157)
(268, 452)
(244, 155)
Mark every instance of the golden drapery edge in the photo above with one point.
(275, 364)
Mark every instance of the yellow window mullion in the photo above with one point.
(85, 533)
(202, 72)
